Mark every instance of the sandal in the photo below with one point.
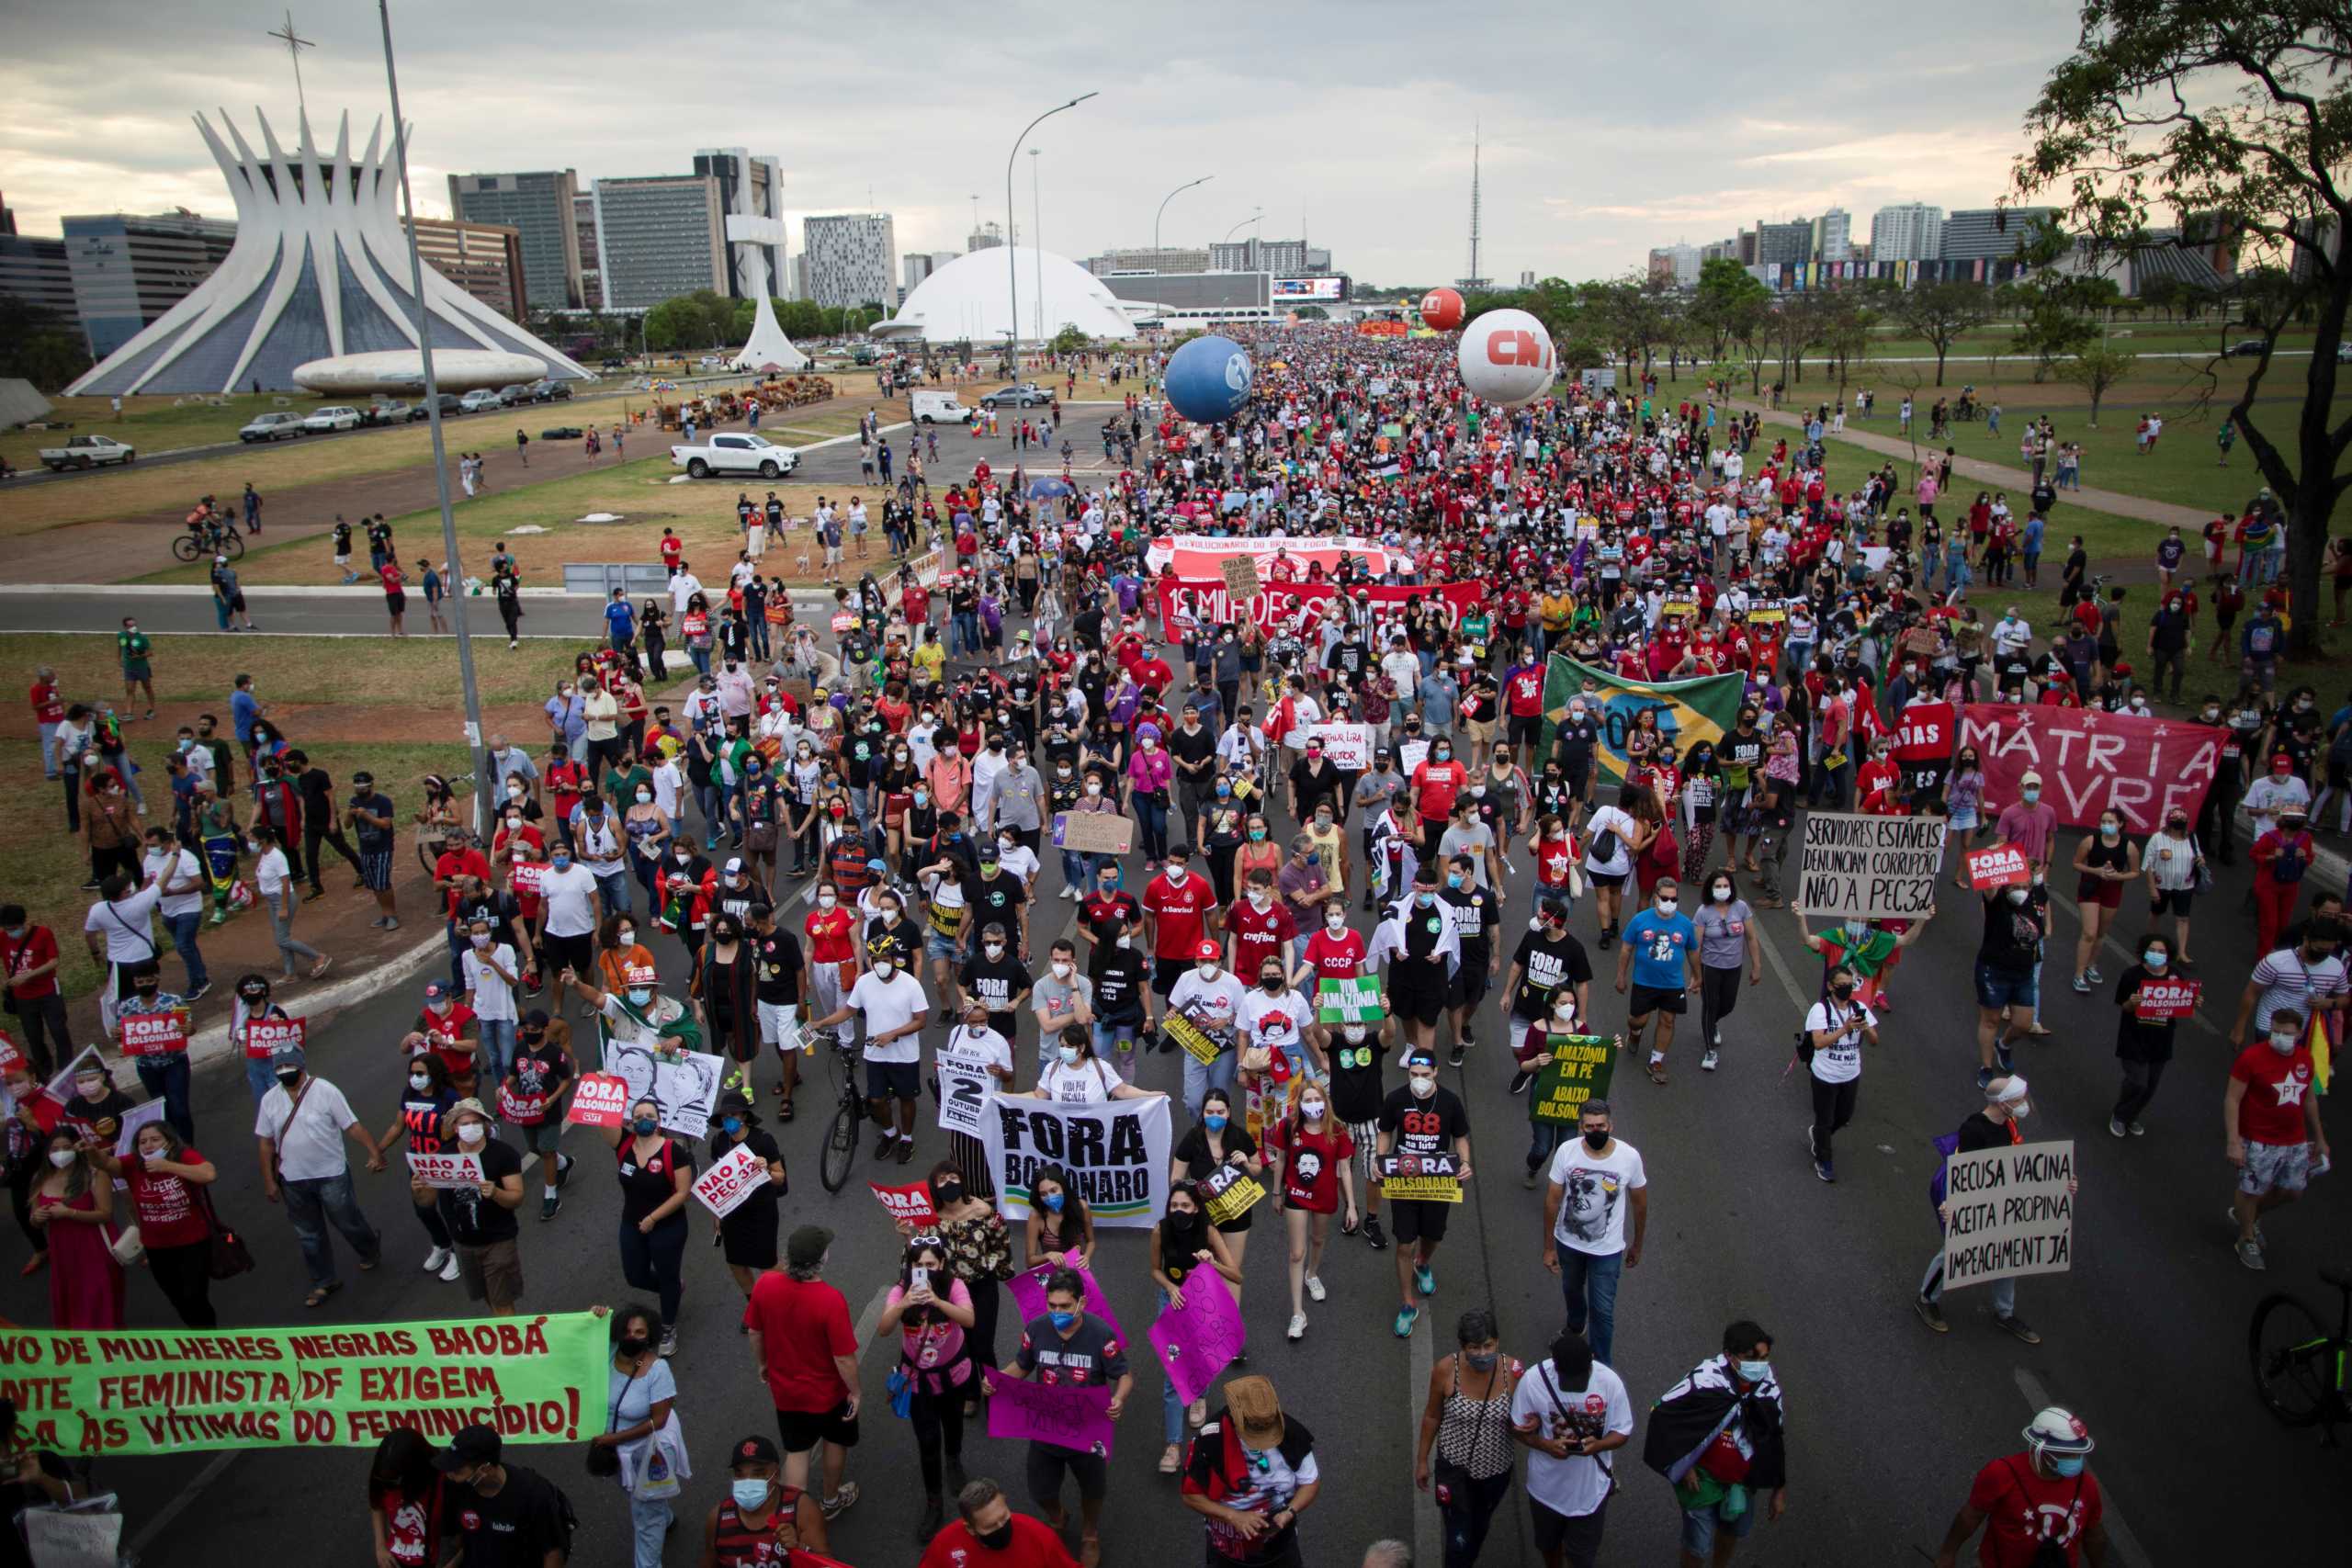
(784, 1112)
(319, 1293)
(1658, 1072)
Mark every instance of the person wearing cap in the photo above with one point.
(2008, 1101)
(1570, 1410)
(300, 1127)
(763, 1521)
(892, 1002)
(805, 1349)
(505, 1515)
(2040, 1505)
(1424, 1125)
(1422, 948)
(1251, 1474)
(479, 1218)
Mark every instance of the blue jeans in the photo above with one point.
(649, 1526)
(1115, 1044)
(497, 1045)
(1200, 1079)
(1545, 1141)
(1171, 1409)
(49, 750)
(314, 1204)
(164, 1077)
(963, 633)
(259, 1077)
(1078, 870)
(184, 928)
(1152, 817)
(701, 656)
(1589, 1282)
(2005, 1291)
(613, 893)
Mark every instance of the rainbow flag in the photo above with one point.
(2323, 1051)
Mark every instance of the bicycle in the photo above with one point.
(2303, 1372)
(196, 545)
(840, 1151)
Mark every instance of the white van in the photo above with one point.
(936, 408)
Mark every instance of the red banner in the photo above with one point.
(601, 1100)
(2092, 761)
(911, 1202)
(2163, 999)
(154, 1033)
(2001, 865)
(266, 1035)
(1923, 732)
(1184, 600)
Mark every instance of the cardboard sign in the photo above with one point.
(1058, 1414)
(1861, 866)
(72, 1538)
(264, 1036)
(526, 876)
(1196, 1040)
(1241, 573)
(1199, 1339)
(1228, 1192)
(1028, 1291)
(1347, 746)
(453, 1170)
(1921, 642)
(600, 1101)
(731, 1180)
(2001, 865)
(154, 1034)
(911, 1203)
(1094, 832)
(1355, 999)
(1429, 1178)
(1578, 1069)
(2011, 1214)
(2160, 1001)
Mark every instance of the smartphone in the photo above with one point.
(919, 1280)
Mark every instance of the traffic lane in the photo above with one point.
(571, 615)
(960, 448)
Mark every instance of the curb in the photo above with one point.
(212, 1045)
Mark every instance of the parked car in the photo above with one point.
(334, 417)
(451, 406)
(2246, 348)
(935, 408)
(549, 390)
(480, 398)
(514, 396)
(2343, 352)
(733, 453)
(1028, 394)
(562, 433)
(86, 452)
(271, 427)
(388, 411)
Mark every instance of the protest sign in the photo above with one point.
(2092, 761)
(1411, 755)
(1241, 573)
(2011, 1214)
(451, 1170)
(1204, 555)
(81, 1536)
(683, 1083)
(1228, 1192)
(1431, 1179)
(526, 876)
(9, 1055)
(1688, 711)
(1870, 868)
(731, 1178)
(1347, 746)
(154, 1034)
(2163, 999)
(1198, 1341)
(1920, 642)
(1196, 1040)
(964, 1081)
(1028, 1291)
(521, 1110)
(1578, 1069)
(1355, 999)
(1066, 1417)
(264, 1036)
(1204, 601)
(137, 1116)
(1115, 1153)
(536, 1379)
(600, 1101)
(1923, 738)
(1094, 832)
(1998, 865)
(911, 1203)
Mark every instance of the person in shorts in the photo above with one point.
(801, 1335)
(542, 1073)
(2276, 1139)
(1660, 958)
(1421, 1120)
(1422, 950)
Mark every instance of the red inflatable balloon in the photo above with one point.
(1442, 308)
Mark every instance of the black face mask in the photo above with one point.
(1596, 1138)
(635, 1346)
(996, 1540)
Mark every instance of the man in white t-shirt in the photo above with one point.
(178, 875)
(118, 929)
(1568, 1412)
(302, 1124)
(1597, 1182)
(568, 892)
(895, 1009)
(1210, 995)
(491, 970)
(973, 1060)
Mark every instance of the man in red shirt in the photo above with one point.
(802, 1340)
(28, 962)
(1176, 909)
(990, 1535)
(1259, 927)
(49, 712)
(2272, 1108)
(2046, 1495)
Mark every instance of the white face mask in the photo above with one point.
(2283, 1041)
(420, 1082)
(1354, 1032)
(1206, 971)
(993, 949)
(826, 900)
(1062, 971)
(473, 1133)
(1424, 1087)
(1311, 1109)
(60, 1158)
(1722, 893)
(1176, 875)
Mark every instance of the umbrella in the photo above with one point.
(1049, 487)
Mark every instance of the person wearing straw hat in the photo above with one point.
(1251, 1474)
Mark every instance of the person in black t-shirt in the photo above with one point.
(506, 1515)
(481, 1218)
(995, 979)
(996, 897)
(778, 983)
(544, 1069)
(1477, 913)
(2016, 921)
(1424, 1120)
(1548, 957)
(318, 820)
(747, 1234)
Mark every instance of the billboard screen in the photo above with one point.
(1311, 288)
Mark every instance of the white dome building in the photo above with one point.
(970, 300)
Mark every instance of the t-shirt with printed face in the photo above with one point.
(1594, 1194)
(1659, 944)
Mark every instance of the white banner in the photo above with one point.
(1345, 746)
(452, 1170)
(963, 1081)
(1866, 867)
(1116, 1154)
(2011, 1212)
(684, 1085)
(731, 1180)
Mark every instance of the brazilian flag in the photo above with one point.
(1688, 711)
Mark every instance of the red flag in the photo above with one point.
(2092, 761)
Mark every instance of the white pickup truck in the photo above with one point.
(733, 452)
(86, 452)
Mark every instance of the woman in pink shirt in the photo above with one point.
(1930, 486)
(1149, 774)
(931, 1308)
(950, 777)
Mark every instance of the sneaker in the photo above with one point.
(563, 1164)
(1707, 1062)
(669, 1342)
(549, 1206)
(2138, 1129)
(906, 1150)
(2082, 986)
(1454, 1058)
(2019, 1329)
(1468, 1040)
(2114, 1128)
(2259, 1239)
(197, 994)
(882, 1144)
(1930, 1314)
(1824, 1169)
(833, 1506)
(1405, 1318)
(1519, 1081)
(1171, 1460)
(449, 1269)
(1607, 940)
(1314, 1289)
(1983, 1078)
(2094, 976)
(1528, 1178)
(2250, 1254)
(2006, 1057)
(1424, 1280)
(434, 1259)
(1297, 1325)
(1373, 1235)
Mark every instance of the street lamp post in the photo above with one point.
(1164, 208)
(1011, 268)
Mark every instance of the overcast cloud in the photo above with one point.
(1607, 130)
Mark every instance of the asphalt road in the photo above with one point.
(959, 449)
(2145, 1338)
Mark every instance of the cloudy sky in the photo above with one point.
(1607, 130)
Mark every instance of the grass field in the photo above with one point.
(388, 671)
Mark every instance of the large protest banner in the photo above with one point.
(1923, 744)
(1578, 1069)
(1869, 868)
(2010, 1212)
(1688, 711)
(538, 1380)
(1117, 1154)
(1204, 555)
(1205, 600)
(2091, 762)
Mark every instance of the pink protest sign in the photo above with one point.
(1067, 1417)
(1199, 1339)
(1029, 1294)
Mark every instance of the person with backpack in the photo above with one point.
(2040, 1509)
(507, 1517)
(1720, 1436)
(1570, 1410)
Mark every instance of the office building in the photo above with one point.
(1911, 231)
(484, 259)
(1216, 295)
(1527, 278)
(540, 206)
(1283, 258)
(1744, 247)
(853, 259)
(34, 270)
(583, 229)
(1144, 258)
(1677, 264)
(982, 238)
(1833, 236)
(751, 187)
(1786, 244)
(129, 270)
(659, 236)
(1990, 234)
(914, 267)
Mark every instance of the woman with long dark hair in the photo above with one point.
(404, 1500)
(932, 1311)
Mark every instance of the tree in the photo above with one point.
(2055, 305)
(2095, 369)
(2238, 112)
(39, 344)
(700, 320)
(1070, 340)
(2165, 293)
(1313, 313)
(1848, 317)
(1729, 304)
(1940, 313)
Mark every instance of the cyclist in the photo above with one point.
(896, 1010)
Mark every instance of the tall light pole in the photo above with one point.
(1011, 268)
(1255, 214)
(457, 597)
(1037, 240)
(1164, 208)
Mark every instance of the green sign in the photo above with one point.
(1353, 1000)
(536, 1379)
(1579, 1070)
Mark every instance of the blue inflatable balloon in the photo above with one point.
(1208, 379)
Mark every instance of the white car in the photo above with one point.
(479, 399)
(329, 418)
(736, 453)
(271, 427)
(86, 452)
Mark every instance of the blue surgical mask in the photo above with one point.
(1213, 1124)
(560, 862)
(752, 1493)
(2153, 958)
(1052, 1201)
(2067, 1464)
(1062, 1320)
(1453, 879)
(645, 1126)
(1069, 1056)
(1754, 1371)
(640, 996)
(1424, 899)
(732, 1124)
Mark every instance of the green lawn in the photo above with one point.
(197, 668)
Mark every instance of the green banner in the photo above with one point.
(1579, 1070)
(157, 1393)
(1352, 1000)
(1688, 711)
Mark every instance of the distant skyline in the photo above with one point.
(1354, 122)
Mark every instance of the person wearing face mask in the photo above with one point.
(1727, 943)
(1595, 1214)
(2040, 1505)
(1730, 1411)
(1570, 1410)
(1177, 907)
(504, 1515)
(762, 1521)
(1465, 1430)
(2271, 1115)
(426, 1102)
(1315, 1155)
(1661, 959)
(2029, 823)
(300, 1127)
(989, 1534)
(1836, 1030)
(892, 1002)
(479, 1218)
(2008, 1101)
(2104, 862)
(1419, 943)
(1075, 1349)
(2008, 978)
(995, 979)
(76, 1213)
(1866, 950)
(2282, 854)
(1421, 1121)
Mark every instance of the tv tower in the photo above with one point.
(1473, 280)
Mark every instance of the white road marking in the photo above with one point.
(2119, 1534)
(1428, 1525)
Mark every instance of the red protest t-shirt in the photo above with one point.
(1034, 1545)
(2271, 1110)
(1337, 957)
(802, 1326)
(1311, 1163)
(166, 1205)
(2022, 1510)
(829, 931)
(1180, 912)
(49, 707)
(1258, 934)
(412, 1523)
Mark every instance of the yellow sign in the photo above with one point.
(1191, 1036)
(1422, 1189)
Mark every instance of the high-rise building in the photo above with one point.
(1744, 247)
(1144, 258)
(1912, 231)
(853, 259)
(129, 270)
(538, 205)
(1677, 264)
(1990, 234)
(659, 236)
(1833, 236)
(1789, 244)
(751, 187)
(1284, 258)
(1718, 250)
(583, 228)
(982, 238)
(1527, 278)
(34, 270)
(915, 266)
(484, 259)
